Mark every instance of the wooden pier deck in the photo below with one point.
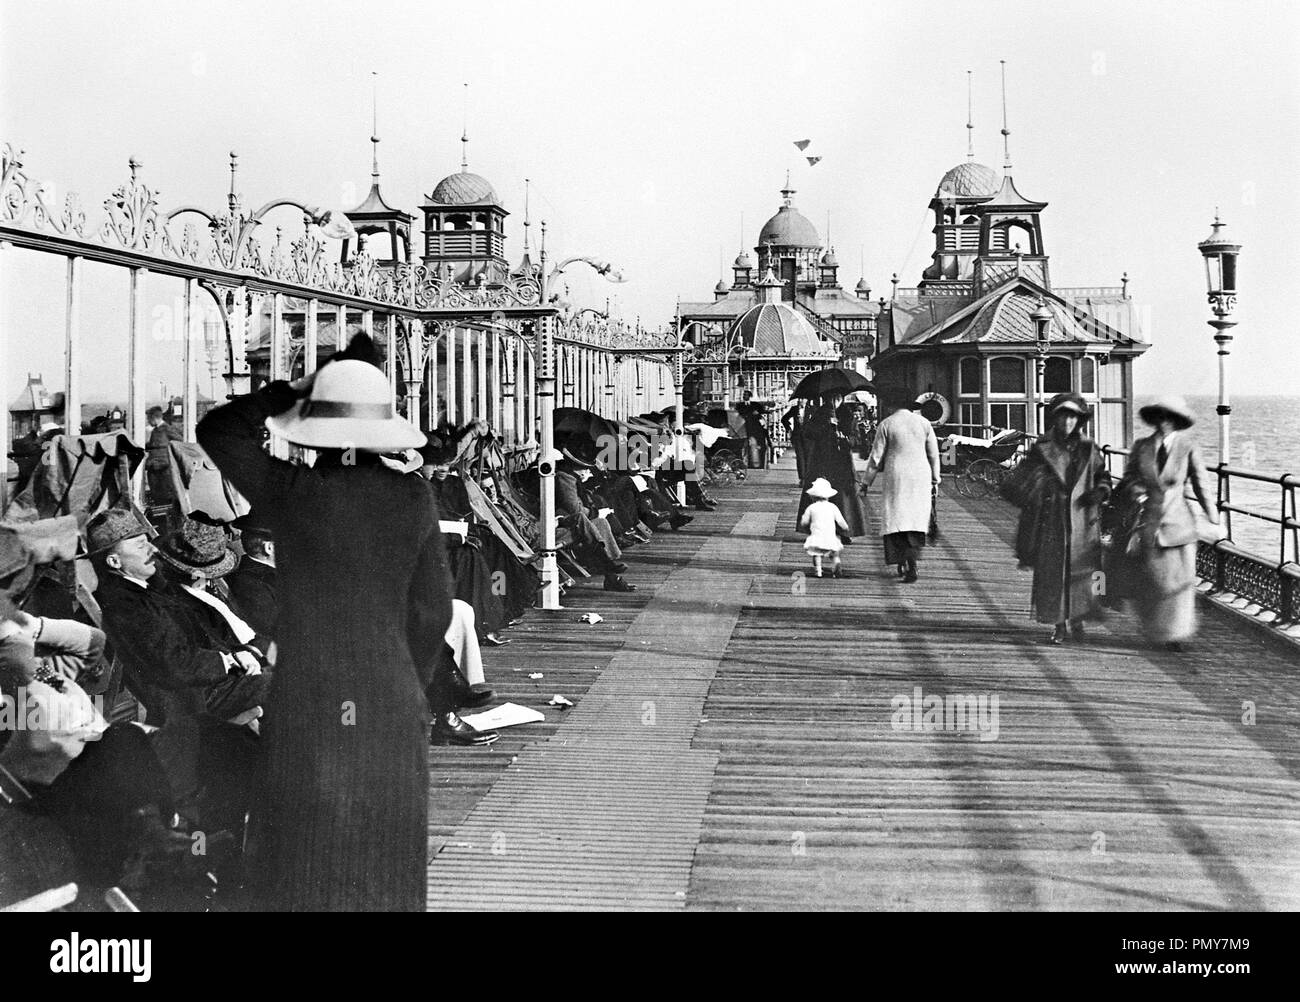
(736, 742)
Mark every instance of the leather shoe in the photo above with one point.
(451, 730)
(679, 519)
(618, 567)
(615, 582)
(479, 694)
(495, 639)
(516, 621)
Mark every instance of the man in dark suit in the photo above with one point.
(254, 585)
(193, 677)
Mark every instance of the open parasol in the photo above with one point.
(832, 382)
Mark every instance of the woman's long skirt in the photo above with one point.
(902, 546)
(1166, 604)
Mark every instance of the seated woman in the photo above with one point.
(470, 571)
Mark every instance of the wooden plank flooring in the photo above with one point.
(774, 775)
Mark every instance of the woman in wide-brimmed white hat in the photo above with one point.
(365, 601)
(1155, 477)
(824, 522)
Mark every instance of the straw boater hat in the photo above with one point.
(821, 488)
(1174, 408)
(199, 549)
(350, 407)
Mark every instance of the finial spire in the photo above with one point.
(787, 192)
(742, 232)
(1006, 133)
(464, 132)
(374, 124)
(970, 127)
(526, 220)
(233, 199)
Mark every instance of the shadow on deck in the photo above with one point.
(738, 742)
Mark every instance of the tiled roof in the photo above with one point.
(375, 205)
(464, 188)
(777, 329)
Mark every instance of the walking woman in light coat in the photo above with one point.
(1159, 467)
(906, 457)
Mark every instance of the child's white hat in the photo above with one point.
(821, 488)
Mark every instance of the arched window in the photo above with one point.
(1056, 375)
(1087, 376)
(969, 377)
(1007, 375)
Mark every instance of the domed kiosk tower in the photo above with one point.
(788, 246)
(957, 224)
(464, 227)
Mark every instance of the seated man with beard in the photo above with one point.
(198, 680)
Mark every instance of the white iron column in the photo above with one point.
(390, 335)
(136, 373)
(189, 390)
(449, 346)
(544, 349)
(311, 337)
(71, 354)
(466, 378)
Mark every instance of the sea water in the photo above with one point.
(1265, 437)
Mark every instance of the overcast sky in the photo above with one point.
(649, 128)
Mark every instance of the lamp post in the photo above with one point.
(545, 376)
(1220, 255)
(1042, 318)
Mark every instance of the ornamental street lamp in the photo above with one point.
(545, 377)
(1220, 255)
(1042, 318)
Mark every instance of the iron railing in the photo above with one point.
(1230, 568)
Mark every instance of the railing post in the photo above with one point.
(136, 373)
(72, 353)
(310, 337)
(189, 391)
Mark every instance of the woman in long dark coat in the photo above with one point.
(825, 452)
(1059, 488)
(341, 816)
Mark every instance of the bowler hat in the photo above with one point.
(110, 527)
(1173, 408)
(199, 549)
(252, 522)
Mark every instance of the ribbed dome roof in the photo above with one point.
(464, 188)
(789, 228)
(970, 180)
(722, 286)
(777, 329)
(743, 260)
(862, 285)
(829, 260)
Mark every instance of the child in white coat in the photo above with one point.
(823, 523)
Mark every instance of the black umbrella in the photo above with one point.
(832, 382)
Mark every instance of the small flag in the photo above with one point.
(814, 161)
(802, 144)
